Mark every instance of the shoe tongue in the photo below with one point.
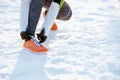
(35, 41)
(33, 38)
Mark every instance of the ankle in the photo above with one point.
(25, 36)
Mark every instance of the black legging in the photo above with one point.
(34, 15)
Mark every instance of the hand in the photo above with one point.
(41, 38)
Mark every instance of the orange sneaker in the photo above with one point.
(54, 26)
(34, 46)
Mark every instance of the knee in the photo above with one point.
(65, 12)
(67, 16)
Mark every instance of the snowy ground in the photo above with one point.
(85, 48)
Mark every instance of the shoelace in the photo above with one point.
(35, 41)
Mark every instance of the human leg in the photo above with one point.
(34, 15)
(29, 34)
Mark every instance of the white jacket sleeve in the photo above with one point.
(50, 17)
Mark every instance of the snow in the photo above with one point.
(85, 48)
